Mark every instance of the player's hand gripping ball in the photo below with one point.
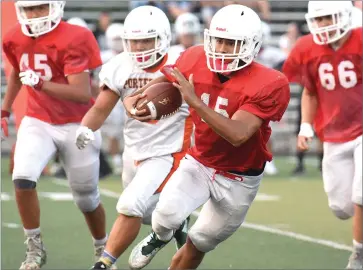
(160, 100)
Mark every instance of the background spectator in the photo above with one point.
(261, 7)
(104, 21)
(288, 40)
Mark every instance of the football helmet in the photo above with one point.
(114, 37)
(341, 16)
(143, 23)
(187, 24)
(34, 27)
(78, 21)
(238, 23)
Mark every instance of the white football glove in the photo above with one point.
(30, 78)
(83, 136)
(306, 130)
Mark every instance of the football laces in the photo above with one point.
(169, 114)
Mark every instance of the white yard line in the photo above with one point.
(257, 227)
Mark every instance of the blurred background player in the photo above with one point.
(78, 21)
(56, 168)
(52, 59)
(187, 31)
(271, 57)
(156, 147)
(328, 62)
(114, 124)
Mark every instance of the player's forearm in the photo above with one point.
(94, 118)
(13, 88)
(102, 108)
(235, 132)
(72, 92)
(309, 105)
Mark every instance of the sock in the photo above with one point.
(107, 259)
(117, 160)
(32, 232)
(165, 236)
(100, 242)
(300, 159)
(357, 245)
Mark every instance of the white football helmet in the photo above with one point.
(34, 27)
(238, 23)
(341, 16)
(147, 22)
(187, 24)
(78, 21)
(114, 37)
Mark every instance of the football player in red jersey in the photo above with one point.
(328, 63)
(232, 101)
(52, 59)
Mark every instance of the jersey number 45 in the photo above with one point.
(40, 65)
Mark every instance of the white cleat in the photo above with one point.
(36, 255)
(355, 260)
(145, 251)
(98, 253)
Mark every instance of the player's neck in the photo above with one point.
(339, 43)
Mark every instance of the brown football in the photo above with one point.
(161, 100)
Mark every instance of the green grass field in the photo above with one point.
(285, 228)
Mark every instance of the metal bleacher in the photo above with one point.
(282, 13)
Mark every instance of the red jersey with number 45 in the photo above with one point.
(335, 76)
(68, 49)
(256, 89)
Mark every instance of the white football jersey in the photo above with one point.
(146, 139)
(175, 51)
(270, 56)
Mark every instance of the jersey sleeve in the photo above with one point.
(271, 101)
(114, 74)
(295, 68)
(82, 55)
(10, 56)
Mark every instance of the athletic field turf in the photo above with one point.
(289, 226)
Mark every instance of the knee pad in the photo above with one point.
(24, 184)
(84, 185)
(342, 214)
(203, 242)
(130, 206)
(164, 220)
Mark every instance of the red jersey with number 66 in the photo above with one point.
(256, 89)
(67, 50)
(335, 76)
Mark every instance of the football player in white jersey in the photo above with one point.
(187, 30)
(271, 57)
(114, 124)
(156, 147)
